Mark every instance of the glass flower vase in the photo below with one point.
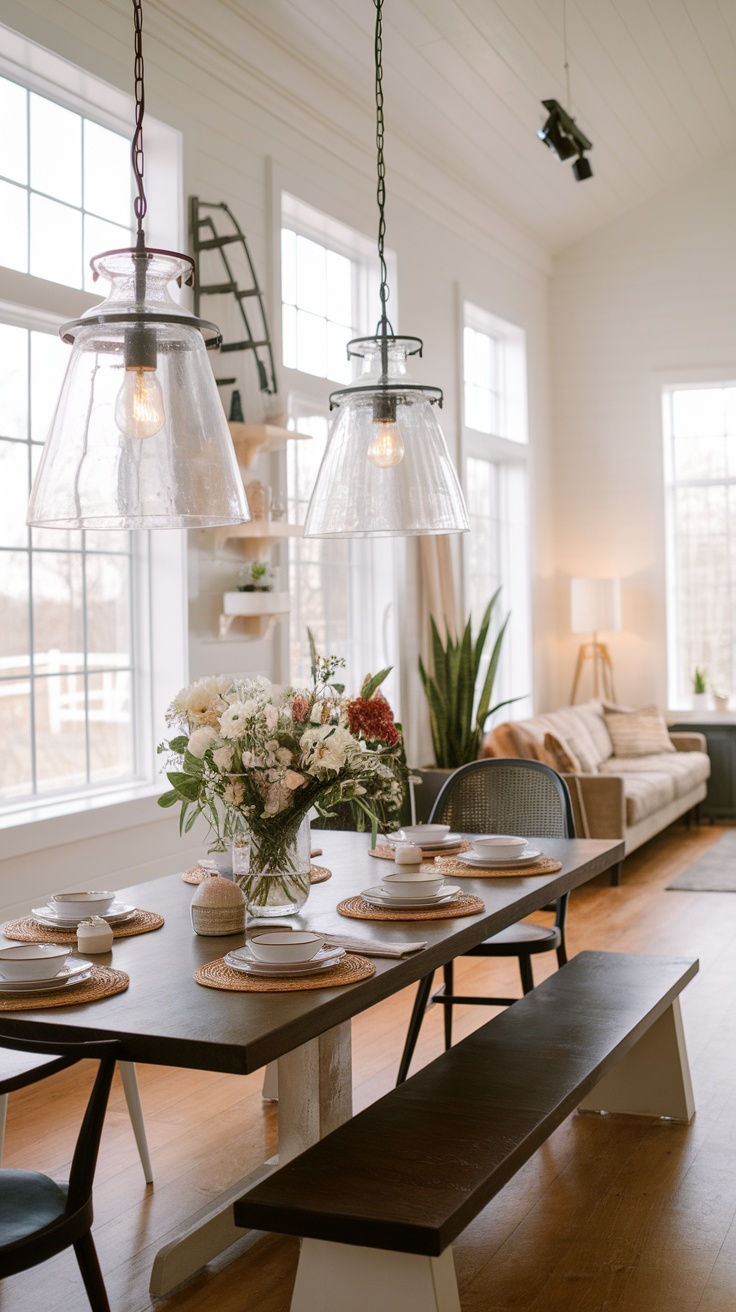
(278, 880)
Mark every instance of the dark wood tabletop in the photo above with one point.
(166, 1018)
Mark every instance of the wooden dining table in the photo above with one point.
(166, 1018)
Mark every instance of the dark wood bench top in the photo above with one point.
(411, 1171)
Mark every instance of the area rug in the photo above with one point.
(715, 872)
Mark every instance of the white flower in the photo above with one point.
(271, 716)
(249, 760)
(200, 703)
(200, 741)
(316, 716)
(223, 759)
(234, 793)
(278, 798)
(284, 756)
(233, 721)
(326, 748)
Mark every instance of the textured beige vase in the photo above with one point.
(218, 907)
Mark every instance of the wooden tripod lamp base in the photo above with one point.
(598, 653)
(595, 607)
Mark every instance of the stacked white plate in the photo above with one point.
(46, 915)
(72, 972)
(242, 959)
(433, 844)
(527, 858)
(378, 898)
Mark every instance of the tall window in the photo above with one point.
(495, 457)
(65, 188)
(342, 590)
(74, 668)
(700, 477)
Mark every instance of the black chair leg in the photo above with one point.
(91, 1274)
(525, 966)
(616, 872)
(562, 954)
(447, 1006)
(415, 1024)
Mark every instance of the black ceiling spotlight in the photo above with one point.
(562, 134)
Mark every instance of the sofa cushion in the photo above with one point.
(573, 729)
(685, 769)
(646, 791)
(638, 733)
(591, 715)
(561, 754)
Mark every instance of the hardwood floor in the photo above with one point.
(613, 1214)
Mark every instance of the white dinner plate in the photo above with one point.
(491, 863)
(72, 973)
(117, 915)
(247, 965)
(450, 840)
(378, 898)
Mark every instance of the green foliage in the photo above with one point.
(700, 681)
(451, 690)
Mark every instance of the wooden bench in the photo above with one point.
(379, 1201)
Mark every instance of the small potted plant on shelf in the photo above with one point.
(700, 690)
(257, 576)
(459, 707)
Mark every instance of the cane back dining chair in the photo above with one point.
(499, 796)
(38, 1217)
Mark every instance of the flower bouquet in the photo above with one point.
(248, 754)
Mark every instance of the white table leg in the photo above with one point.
(315, 1096)
(133, 1098)
(653, 1079)
(334, 1277)
(271, 1082)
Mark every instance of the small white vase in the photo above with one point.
(701, 701)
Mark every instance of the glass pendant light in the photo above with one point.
(386, 471)
(139, 438)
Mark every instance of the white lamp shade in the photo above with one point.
(595, 605)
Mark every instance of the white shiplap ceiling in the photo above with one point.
(653, 86)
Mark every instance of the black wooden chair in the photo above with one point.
(38, 1217)
(524, 798)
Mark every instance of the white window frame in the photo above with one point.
(373, 620)
(159, 558)
(512, 456)
(678, 698)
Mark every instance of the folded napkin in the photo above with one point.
(369, 949)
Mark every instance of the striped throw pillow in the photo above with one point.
(638, 733)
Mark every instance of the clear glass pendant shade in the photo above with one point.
(139, 438)
(386, 471)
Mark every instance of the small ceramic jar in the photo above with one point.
(94, 936)
(408, 854)
(218, 907)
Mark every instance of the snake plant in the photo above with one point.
(457, 722)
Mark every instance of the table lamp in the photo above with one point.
(595, 607)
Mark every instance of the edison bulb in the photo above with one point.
(139, 409)
(386, 448)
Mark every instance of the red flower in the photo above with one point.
(373, 718)
(299, 709)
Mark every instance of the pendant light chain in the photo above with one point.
(566, 60)
(381, 188)
(140, 204)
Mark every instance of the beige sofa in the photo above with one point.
(631, 798)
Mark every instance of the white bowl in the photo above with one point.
(424, 833)
(501, 847)
(296, 945)
(69, 905)
(32, 960)
(398, 885)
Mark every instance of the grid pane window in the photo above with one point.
(65, 188)
(317, 313)
(481, 386)
(66, 640)
(700, 459)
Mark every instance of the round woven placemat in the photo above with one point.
(195, 875)
(102, 983)
(386, 853)
(465, 904)
(28, 930)
(449, 866)
(217, 975)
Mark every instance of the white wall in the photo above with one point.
(650, 297)
(250, 110)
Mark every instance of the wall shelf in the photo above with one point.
(252, 614)
(256, 537)
(251, 440)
